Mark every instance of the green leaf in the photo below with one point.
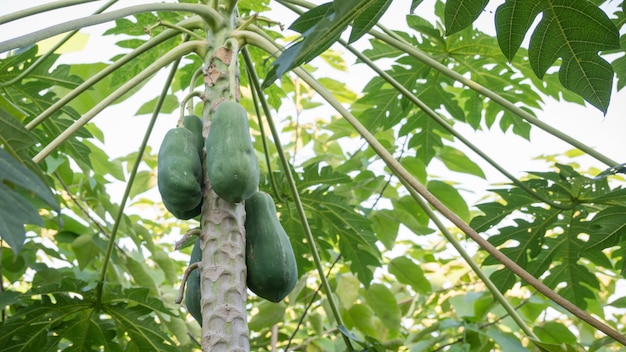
(314, 175)
(170, 104)
(269, 314)
(385, 226)
(609, 228)
(618, 303)
(384, 304)
(557, 347)
(368, 19)
(144, 181)
(318, 37)
(141, 273)
(456, 160)
(338, 218)
(144, 333)
(409, 273)
(14, 138)
(15, 209)
(506, 340)
(450, 197)
(462, 13)
(362, 318)
(362, 260)
(552, 332)
(101, 163)
(8, 298)
(513, 19)
(347, 289)
(85, 250)
(414, 5)
(573, 30)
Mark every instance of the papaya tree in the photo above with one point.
(270, 203)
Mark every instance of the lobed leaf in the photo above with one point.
(573, 30)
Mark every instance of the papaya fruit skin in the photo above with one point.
(180, 172)
(192, 291)
(194, 124)
(271, 264)
(231, 163)
(184, 214)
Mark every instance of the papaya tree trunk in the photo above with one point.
(223, 267)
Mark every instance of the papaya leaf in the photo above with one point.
(414, 5)
(268, 315)
(31, 327)
(407, 272)
(462, 13)
(553, 332)
(143, 331)
(608, 228)
(15, 209)
(138, 296)
(14, 138)
(449, 196)
(367, 19)
(313, 175)
(34, 96)
(384, 304)
(357, 243)
(319, 32)
(550, 239)
(456, 160)
(170, 104)
(573, 30)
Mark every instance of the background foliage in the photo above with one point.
(398, 282)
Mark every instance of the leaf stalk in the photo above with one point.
(174, 54)
(210, 16)
(131, 179)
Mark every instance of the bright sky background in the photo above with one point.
(124, 131)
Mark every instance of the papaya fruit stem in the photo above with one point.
(181, 289)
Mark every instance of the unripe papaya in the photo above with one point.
(192, 291)
(230, 160)
(270, 261)
(184, 214)
(194, 124)
(180, 173)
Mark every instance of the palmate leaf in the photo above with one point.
(36, 93)
(573, 30)
(552, 238)
(14, 138)
(608, 228)
(15, 210)
(145, 334)
(314, 175)
(65, 312)
(321, 27)
(353, 231)
(29, 329)
(462, 13)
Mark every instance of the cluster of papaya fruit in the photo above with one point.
(233, 173)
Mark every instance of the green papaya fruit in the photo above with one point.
(231, 163)
(179, 177)
(192, 291)
(270, 261)
(194, 124)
